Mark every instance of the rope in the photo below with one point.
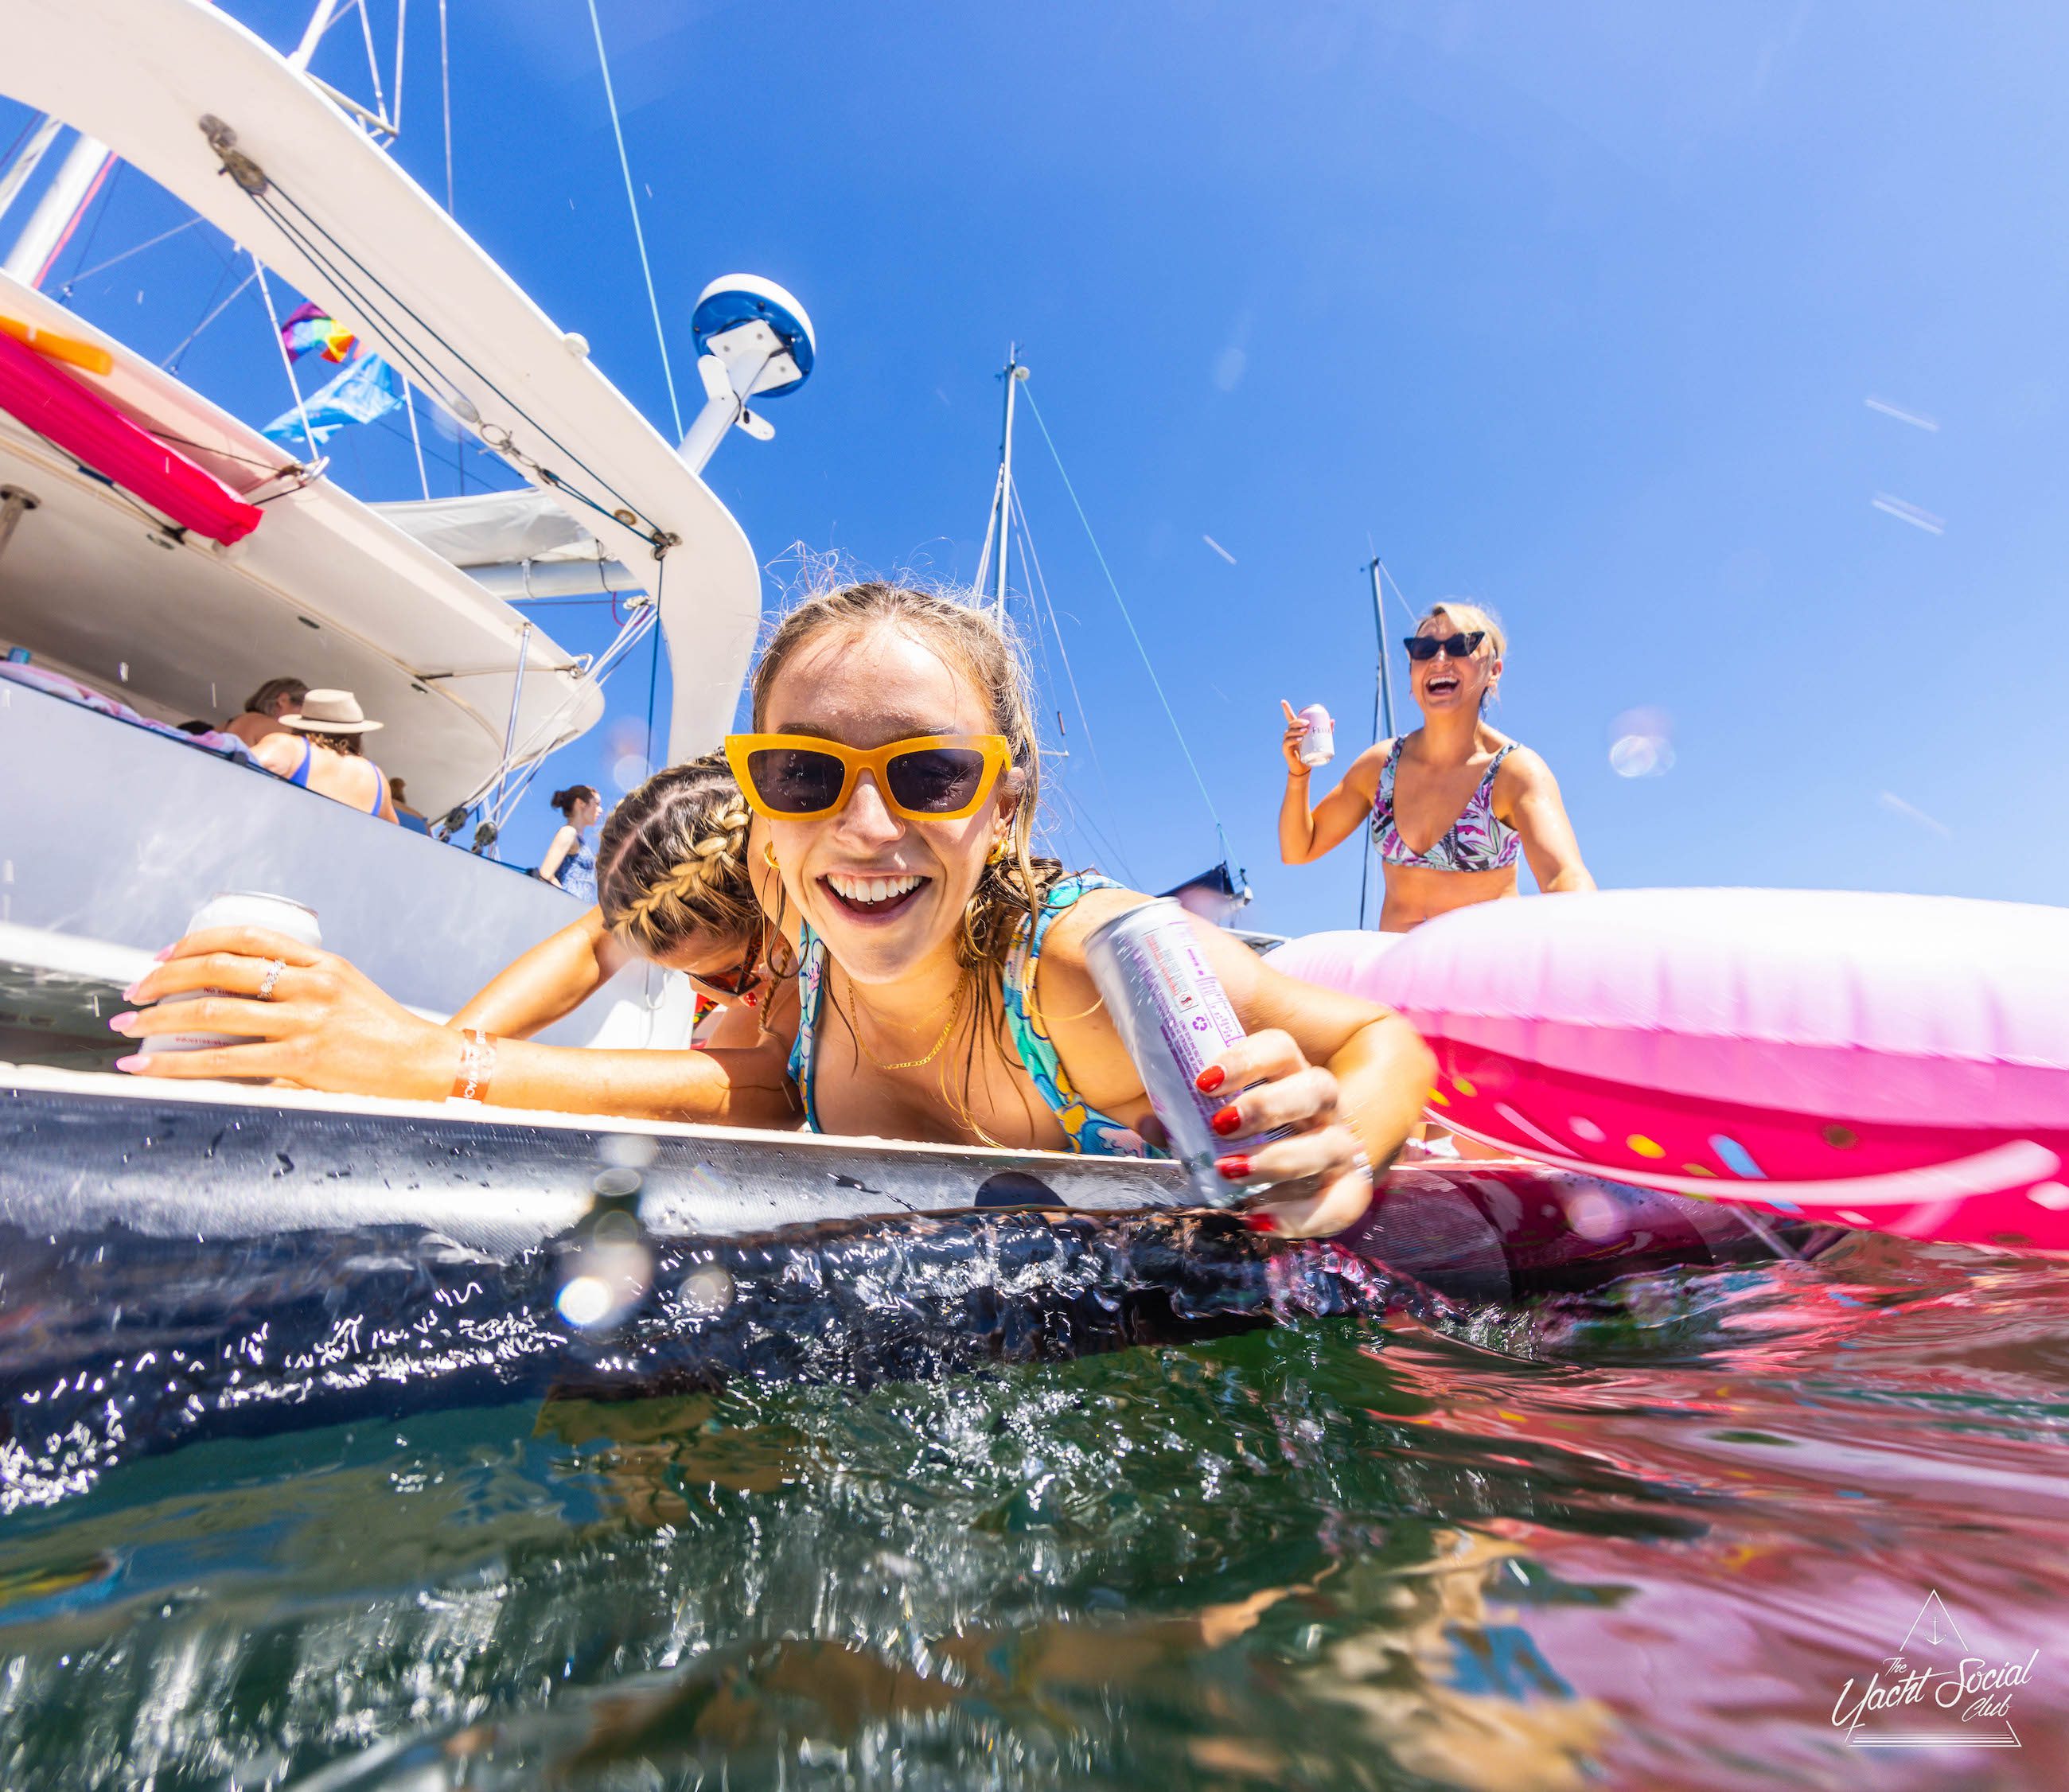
(638, 235)
(403, 352)
(1155, 683)
(287, 361)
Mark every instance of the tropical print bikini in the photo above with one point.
(1478, 840)
(1085, 1128)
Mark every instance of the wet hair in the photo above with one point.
(1465, 618)
(1014, 883)
(565, 800)
(673, 859)
(261, 701)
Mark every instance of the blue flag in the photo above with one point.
(367, 388)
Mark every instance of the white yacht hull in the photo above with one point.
(111, 837)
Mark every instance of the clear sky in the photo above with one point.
(1585, 312)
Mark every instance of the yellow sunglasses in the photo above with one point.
(930, 777)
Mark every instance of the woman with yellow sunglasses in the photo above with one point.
(943, 991)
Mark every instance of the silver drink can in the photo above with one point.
(277, 914)
(1174, 1018)
(1318, 746)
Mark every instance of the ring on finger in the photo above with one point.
(274, 968)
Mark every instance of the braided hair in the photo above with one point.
(673, 860)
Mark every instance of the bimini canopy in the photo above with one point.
(219, 118)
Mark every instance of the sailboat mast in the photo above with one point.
(1386, 671)
(1014, 374)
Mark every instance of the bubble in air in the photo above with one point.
(1641, 743)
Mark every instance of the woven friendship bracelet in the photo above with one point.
(477, 1065)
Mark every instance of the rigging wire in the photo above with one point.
(170, 364)
(347, 272)
(1407, 609)
(102, 267)
(373, 62)
(93, 235)
(1155, 683)
(638, 235)
(445, 88)
(287, 361)
(416, 441)
(1031, 560)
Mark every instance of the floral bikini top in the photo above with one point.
(1478, 840)
(1085, 1128)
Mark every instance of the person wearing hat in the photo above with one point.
(318, 748)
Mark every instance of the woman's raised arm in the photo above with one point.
(548, 983)
(1306, 835)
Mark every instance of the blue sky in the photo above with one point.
(1576, 310)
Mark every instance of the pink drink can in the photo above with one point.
(277, 914)
(1174, 1018)
(1319, 747)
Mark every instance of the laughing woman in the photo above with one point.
(944, 994)
(1476, 795)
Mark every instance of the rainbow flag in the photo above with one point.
(308, 328)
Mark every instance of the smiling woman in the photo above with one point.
(942, 991)
(896, 766)
(1476, 795)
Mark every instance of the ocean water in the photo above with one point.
(1655, 1537)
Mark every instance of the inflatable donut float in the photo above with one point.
(1896, 1061)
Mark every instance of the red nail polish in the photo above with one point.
(1209, 1079)
(1235, 1169)
(1227, 1122)
(1260, 1223)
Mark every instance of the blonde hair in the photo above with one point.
(672, 861)
(1467, 617)
(1014, 882)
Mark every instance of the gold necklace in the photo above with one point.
(934, 1051)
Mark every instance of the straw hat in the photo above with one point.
(330, 712)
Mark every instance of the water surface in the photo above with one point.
(1643, 1540)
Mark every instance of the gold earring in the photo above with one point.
(769, 855)
(997, 855)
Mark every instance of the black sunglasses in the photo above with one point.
(1455, 646)
(733, 984)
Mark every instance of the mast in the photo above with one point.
(1382, 716)
(1386, 671)
(1001, 500)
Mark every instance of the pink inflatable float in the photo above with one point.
(1887, 1061)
